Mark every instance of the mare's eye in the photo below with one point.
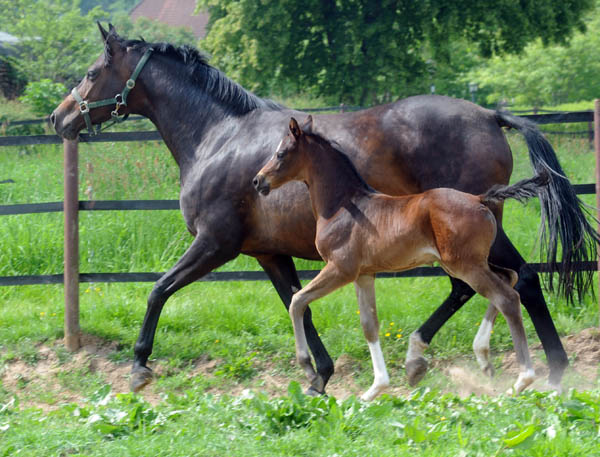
(280, 154)
(92, 74)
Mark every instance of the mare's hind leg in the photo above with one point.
(416, 364)
(365, 292)
(503, 253)
(204, 254)
(506, 300)
(328, 279)
(283, 275)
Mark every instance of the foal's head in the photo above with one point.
(288, 163)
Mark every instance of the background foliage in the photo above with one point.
(360, 51)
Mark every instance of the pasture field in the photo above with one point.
(223, 352)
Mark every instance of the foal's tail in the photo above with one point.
(565, 218)
(521, 191)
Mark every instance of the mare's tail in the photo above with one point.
(565, 219)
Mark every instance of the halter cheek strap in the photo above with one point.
(118, 100)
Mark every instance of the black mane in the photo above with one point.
(213, 82)
(335, 148)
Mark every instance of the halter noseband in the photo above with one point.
(118, 100)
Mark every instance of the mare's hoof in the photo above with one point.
(312, 392)
(415, 370)
(140, 378)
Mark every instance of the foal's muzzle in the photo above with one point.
(261, 185)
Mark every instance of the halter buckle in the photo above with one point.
(130, 84)
(84, 107)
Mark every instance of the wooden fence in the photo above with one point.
(71, 207)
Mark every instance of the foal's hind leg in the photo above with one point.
(481, 343)
(416, 364)
(365, 292)
(505, 254)
(506, 300)
(328, 279)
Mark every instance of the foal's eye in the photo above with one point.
(92, 74)
(280, 154)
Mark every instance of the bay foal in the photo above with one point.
(361, 232)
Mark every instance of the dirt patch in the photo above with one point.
(45, 383)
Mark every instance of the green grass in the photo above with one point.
(243, 325)
(426, 423)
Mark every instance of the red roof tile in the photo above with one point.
(173, 12)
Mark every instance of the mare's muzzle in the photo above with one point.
(261, 185)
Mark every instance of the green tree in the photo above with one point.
(152, 30)
(546, 75)
(354, 50)
(56, 41)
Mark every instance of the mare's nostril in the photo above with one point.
(53, 119)
(255, 181)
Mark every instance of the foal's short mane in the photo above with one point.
(333, 147)
(213, 81)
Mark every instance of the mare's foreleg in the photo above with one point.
(365, 292)
(283, 275)
(328, 279)
(204, 255)
(416, 364)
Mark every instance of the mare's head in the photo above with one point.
(104, 83)
(287, 163)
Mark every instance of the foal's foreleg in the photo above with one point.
(283, 275)
(328, 279)
(365, 292)
(481, 343)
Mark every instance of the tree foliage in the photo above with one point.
(152, 30)
(352, 50)
(546, 75)
(56, 41)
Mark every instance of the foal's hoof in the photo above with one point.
(312, 392)
(140, 378)
(489, 370)
(415, 370)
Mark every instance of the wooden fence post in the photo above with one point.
(71, 247)
(597, 148)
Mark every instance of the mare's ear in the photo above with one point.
(103, 31)
(295, 128)
(111, 38)
(308, 124)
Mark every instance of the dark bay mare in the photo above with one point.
(220, 135)
(362, 232)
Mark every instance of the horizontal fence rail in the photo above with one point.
(222, 276)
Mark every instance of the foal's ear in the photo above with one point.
(295, 128)
(308, 124)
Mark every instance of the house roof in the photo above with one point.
(178, 13)
(8, 38)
